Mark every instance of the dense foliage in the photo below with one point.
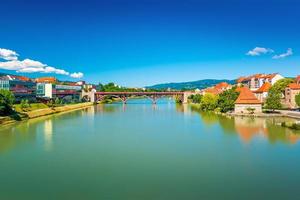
(297, 100)
(24, 104)
(273, 100)
(197, 98)
(209, 102)
(276, 92)
(223, 102)
(112, 87)
(279, 86)
(6, 102)
(227, 99)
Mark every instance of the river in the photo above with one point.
(143, 151)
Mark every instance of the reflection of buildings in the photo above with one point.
(249, 128)
(48, 134)
(184, 108)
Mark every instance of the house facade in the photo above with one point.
(49, 91)
(22, 88)
(247, 102)
(256, 81)
(291, 91)
(262, 93)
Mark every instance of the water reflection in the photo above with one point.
(251, 128)
(45, 128)
(48, 134)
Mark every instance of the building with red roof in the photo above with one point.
(291, 91)
(254, 82)
(46, 80)
(246, 100)
(263, 91)
(217, 89)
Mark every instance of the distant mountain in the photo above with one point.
(201, 84)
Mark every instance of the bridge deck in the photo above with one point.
(139, 93)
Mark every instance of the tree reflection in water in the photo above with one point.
(249, 128)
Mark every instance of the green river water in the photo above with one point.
(141, 151)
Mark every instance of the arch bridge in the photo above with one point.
(124, 96)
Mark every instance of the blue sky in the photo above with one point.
(144, 42)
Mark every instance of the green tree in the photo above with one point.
(24, 104)
(197, 98)
(57, 101)
(273, 100)
(227, 99)
(6, 102)
(280, 85)
(100, 87)
(297, 99)
(209, 102)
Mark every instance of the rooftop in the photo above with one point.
(294, 86)
(264, 88)
(246, 96)
(256, 76)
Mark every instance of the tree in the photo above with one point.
(100, 87)
(196, 98)
(57, 101)
(209, 102)
(280, 85)
(6, 102)
(24, 104)
(273, 100)
(227, 99)
(297, 99)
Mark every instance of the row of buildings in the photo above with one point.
(41, 88)
(254, 91)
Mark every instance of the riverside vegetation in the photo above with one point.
(10, 112)
(224, 102)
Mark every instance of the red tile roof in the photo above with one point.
(256, 76)
(212, 91)
(264, 88)
(222, 85)
(240, 79)
(294, 86)
(246, 96)
(46, 80)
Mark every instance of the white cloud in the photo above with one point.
(7, 54)
(76, 75)
(289, 52)
(29, 66)
(257, 51)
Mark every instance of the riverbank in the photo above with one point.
(42, 112)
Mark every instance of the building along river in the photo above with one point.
(145, 151)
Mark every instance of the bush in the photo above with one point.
(24, 104)
(209, 102)
(250, 110)
(6, 102)
(227, 100)
(197, 98)
(297, 99)
(273, 100)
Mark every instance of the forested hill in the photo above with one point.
(200, 84)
